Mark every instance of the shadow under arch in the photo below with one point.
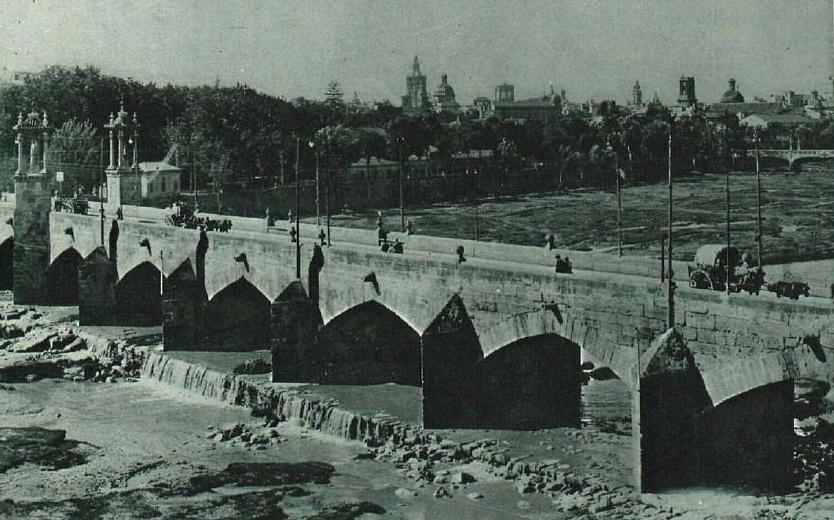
(530, 384)
(748, 440)
(237, 319)
(62, 278)
(368, 344)
(7, 264)
(138, 297)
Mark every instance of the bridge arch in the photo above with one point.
(62, 278)
(237, 318)
(368, 344)
(551, 321)
(417, 306)
(138, 296)
(7, 263)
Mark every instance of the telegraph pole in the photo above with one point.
(318, 212)
(100, 185)
(670, 304)
(297, 228)
(327, 209)
(729, 266)
(400, 177)
(758, 203)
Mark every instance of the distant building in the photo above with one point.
(444, 97)
(374, 168)
(742, 110)
(416, 99)
(764, 121)
(484, 107)
(732, 95)
(687, 97)
(505, 92)
(13, 77)
(539, 109)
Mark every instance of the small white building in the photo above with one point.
(159, 179)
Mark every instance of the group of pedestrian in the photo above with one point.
(563, 265)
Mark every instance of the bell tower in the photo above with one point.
(32, 206)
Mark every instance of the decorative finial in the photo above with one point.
(135, 119)
(111, 118)
(45, 120)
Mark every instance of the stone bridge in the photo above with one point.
(494, 342)
(792, 156)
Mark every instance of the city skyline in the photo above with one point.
(591, 49)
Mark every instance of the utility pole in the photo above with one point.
(477, 224)
(670, 303)
(619, 202)
(101, 185)
(400, 177)
(297, 228)
(327, 209)
(318, 212)
(758, 204)
(729, 264)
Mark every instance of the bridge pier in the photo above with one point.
(183, 303)
(683, 439)
(31, 245)
(451, 351)
(96, 289)
(295, 320)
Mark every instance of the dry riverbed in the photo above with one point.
(83, 436)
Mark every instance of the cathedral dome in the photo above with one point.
(732, 95)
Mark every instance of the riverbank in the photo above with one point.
(796, 212)
(170, 436)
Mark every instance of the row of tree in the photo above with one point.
(242, 136)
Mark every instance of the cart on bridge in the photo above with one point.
(710, 270)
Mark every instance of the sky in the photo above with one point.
(592, 48)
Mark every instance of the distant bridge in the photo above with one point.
(790, 155)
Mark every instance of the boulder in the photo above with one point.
(405, 493)
(462, 478)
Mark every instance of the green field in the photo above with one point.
(797, 211)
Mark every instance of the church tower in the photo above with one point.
(416, 99)
(636, 94)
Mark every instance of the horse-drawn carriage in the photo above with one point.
(710, 270)
(78, 205)
(183, 215)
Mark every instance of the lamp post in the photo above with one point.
(318, 212)
(729, 264)
(619, 200)
(400, 180)
(297, 228)
(101, 185)
(758, 204)
(670, 303)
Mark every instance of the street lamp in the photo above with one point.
(400, 141)
(670, 303)
(610, 149)
(758, 204)
(297, 227)
(316, 153)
